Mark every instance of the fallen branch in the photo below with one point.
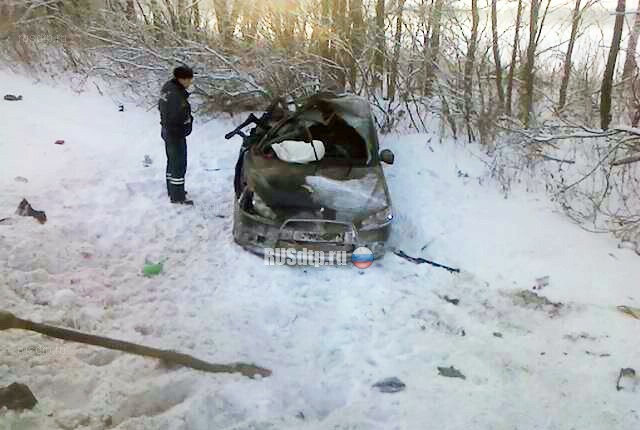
(627, 160)
(419, 260)
(10, 321)
(559, 160)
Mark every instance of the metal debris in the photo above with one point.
(626, 372)
(25, 209)
(450, 372)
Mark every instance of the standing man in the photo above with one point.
(177, 122)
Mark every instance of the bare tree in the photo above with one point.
(469, 67)
(496, 51)
(339, 30)
(630, 64)
(227, 13)
(325, 27)
(222, 14)
(173, 19)
(196, 18)
(566, 70)
(432, 45)
(357, 38)
(380, 54)
(607, 79)
(131, 9)
(528, 75)
(393, 67)
(514, 58)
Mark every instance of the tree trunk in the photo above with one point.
(237, 7)
(251, 19)
(220, 9)
(393, 67)
(630, 64)
(196, 18)
(514, 59)
(380, 53)
(131, 10)
(285, 21)
(469, 67)
(181, 12)
(629, 82)
(155, 13)
(324, 30)
(172, 14)
(357, 40)
(526, 111)
(496, 52)
(564, 85)
(339, 33)
(542, 21)
(607, 80)
(225, 19)
(432, 53)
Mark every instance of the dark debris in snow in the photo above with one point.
(533, 300)
(25, 209)
(17, 397)
(450, 372)
(390, 385)
(448, 299)
(625, 373)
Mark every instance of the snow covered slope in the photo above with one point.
(328, 334)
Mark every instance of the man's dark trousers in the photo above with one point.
(176, 148)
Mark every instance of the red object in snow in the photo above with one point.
(59, 142)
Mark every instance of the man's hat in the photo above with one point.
(183, 72)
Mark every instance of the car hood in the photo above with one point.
(320, 191)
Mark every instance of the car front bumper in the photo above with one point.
(257, 234)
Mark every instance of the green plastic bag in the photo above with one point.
(152, 269)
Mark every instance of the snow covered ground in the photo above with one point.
(327, 333)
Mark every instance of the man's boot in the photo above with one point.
(186, 201)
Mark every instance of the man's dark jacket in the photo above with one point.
(175, 110)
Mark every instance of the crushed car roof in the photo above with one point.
(323, 109)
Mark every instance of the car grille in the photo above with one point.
(317, 246)
(317, 231)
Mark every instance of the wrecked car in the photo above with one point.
(311, 177)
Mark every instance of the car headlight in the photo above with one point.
(378, 219)
(261, 207)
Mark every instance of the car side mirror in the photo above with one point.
(387, 156)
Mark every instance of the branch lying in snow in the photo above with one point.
(627, 160)
(10, 321)
(587, 133)
(559, 160)
(419, 260)
(627, 135)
